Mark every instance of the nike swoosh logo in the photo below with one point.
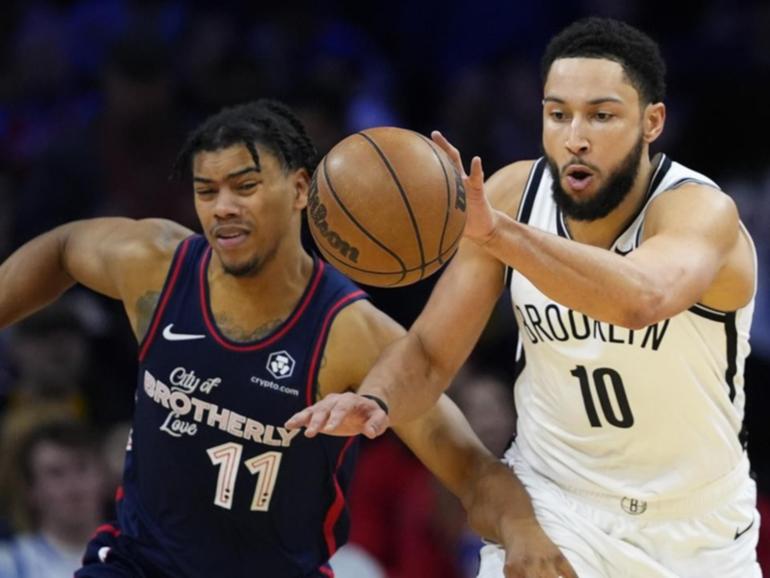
(740, 533)
(171, 336)
(622, 253)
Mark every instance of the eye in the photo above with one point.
(204, 192)
(247, 185)
(603, 116)
(557, 115)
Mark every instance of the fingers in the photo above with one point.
(451, 151)
(476, 178)
(344, 405)
(314, 417)
(565, 569)
(376, 424)
(539, 567)
(344, 414)
(319, 417)
(299, 419)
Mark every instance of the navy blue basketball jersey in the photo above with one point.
(214, 485)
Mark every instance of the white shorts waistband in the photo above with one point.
(696, 502)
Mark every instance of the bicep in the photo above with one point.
(108, 255)
(684, 250)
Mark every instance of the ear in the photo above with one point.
(301, 181)
(654, 121)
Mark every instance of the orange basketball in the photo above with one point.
(386, 207)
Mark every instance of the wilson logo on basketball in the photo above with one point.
(460, 200)
(317, 211)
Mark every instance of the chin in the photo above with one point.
(243, 268)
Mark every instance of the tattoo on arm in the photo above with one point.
(233, 330)
(145, 307)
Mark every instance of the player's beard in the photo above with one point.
(608, 197)
(252, 267)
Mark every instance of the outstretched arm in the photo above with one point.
(413, 371)
(692, 251)
(411, 374)
(499, 508)
(112, 256)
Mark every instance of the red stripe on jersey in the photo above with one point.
(119, 493)
(106, 529)
(164, 300)
(337, 505)
(273, 338)
(326, 571)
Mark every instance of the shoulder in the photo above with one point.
(143, 251)
(692, 205)
(358, 335)
(148, 239)
(139, 258)
(506, 186)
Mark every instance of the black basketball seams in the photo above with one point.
(448, 194)
(439, 259)
(333, 192)
(404, 197)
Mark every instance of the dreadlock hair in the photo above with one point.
(266, 122)
(594, 37)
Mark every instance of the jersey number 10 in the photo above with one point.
(264, 466)
(600, 376)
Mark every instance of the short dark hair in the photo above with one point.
(266, 122)
(635, 51)
(64, 433)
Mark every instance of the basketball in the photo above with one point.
(386, 207)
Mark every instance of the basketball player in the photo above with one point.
(633, 283)
(238, 329)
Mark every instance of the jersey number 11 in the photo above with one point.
(264, 466)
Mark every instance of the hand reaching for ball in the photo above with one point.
(481, 219)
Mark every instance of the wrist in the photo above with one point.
(491, 234)
(379, 401)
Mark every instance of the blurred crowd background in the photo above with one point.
(96, 97)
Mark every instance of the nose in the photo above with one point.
(576, 142)
(226, 205)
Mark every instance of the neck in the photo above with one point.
(264, 298)
(603, 232)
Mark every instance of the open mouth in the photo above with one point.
(230, 237)
(578, 178)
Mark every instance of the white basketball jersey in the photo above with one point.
(655, 412)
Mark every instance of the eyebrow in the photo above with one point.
(230, 176)
(599, 100)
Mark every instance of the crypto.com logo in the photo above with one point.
(280, 364)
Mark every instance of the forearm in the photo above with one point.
(33, 276)
(497, 503)
(494, 498)
(588, 279)
(406, 378)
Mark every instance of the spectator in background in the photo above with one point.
(488, 404)
(57, 492)
(49, 355)
(119, 163)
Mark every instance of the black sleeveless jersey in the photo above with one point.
(214, 485)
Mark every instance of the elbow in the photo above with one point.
(643, 309)
(432, 373)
